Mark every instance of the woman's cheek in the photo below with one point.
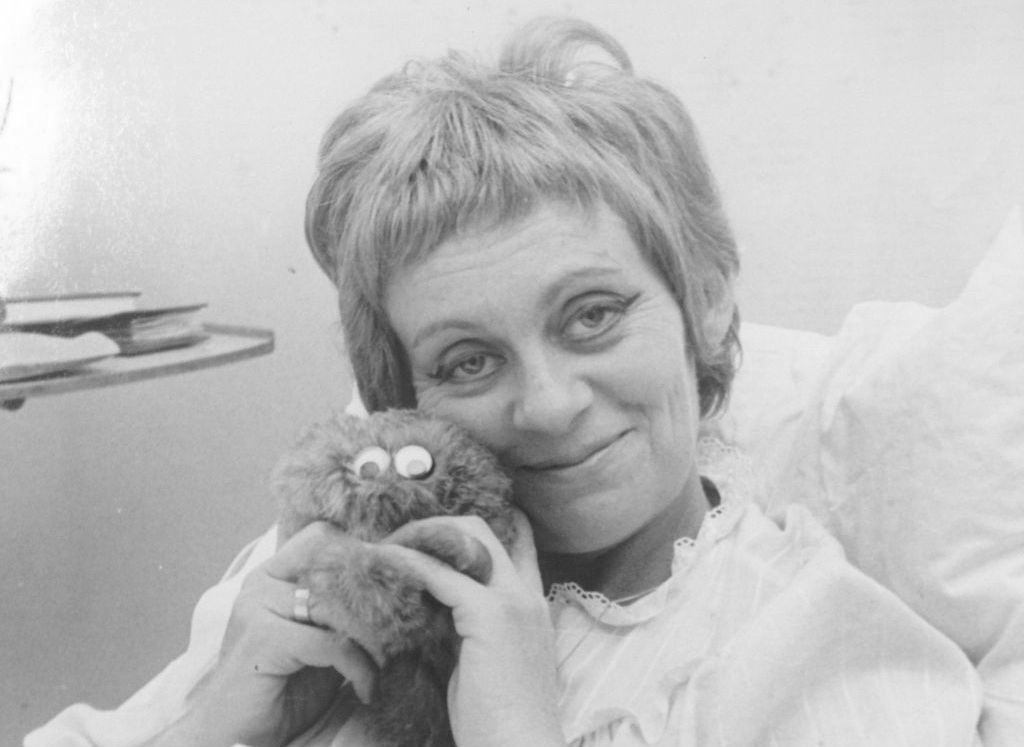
(428, 399)
(480, 416)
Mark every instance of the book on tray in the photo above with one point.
(27, 355)
(44, 309)
(135, 330)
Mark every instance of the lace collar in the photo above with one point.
(732, 474)
(623, 663)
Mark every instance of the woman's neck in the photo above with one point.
(640, 562)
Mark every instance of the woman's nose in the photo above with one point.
(550, 396)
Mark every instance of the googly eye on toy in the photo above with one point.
(414, 462)
(370, 462)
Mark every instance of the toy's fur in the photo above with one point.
(367, 597)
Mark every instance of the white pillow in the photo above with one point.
(780, 370)
(904, 434)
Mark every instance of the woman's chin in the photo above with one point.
(580, 533)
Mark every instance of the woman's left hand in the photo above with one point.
(505, 687)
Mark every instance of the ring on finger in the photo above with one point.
(300, 606)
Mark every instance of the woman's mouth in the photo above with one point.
(573, 459)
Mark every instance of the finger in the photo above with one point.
(479, 529)
(280, 599)
(456, 547)
(285, 645)
(328, 649)
(523, 552)
(295, 555)
(301, 646)
(272, 594)
(441, 581)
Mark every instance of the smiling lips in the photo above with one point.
(572, 459)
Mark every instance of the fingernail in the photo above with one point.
(364, 691)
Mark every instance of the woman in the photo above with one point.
(538, 253)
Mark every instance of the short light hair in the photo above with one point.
(451, 145)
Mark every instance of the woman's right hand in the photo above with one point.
(504, 690)
(274, 677)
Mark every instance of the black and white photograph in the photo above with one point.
(508, 373)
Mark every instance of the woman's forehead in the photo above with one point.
(552, 246)
(509, 272)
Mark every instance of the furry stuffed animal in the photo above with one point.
(370, 476)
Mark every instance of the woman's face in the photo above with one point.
(553, 342)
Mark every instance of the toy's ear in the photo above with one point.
(355, 406)
(719, 315)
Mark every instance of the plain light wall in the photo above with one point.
(865, 150)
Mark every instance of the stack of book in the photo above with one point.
(118, 316)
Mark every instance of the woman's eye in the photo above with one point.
(468, 367)
(593, 319)
(472, 365)
(595, 316)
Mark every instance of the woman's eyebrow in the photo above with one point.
(592, 272)
(550, 295)
(441, 325)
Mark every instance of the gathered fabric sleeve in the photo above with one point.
(835, 659)
(161, 701)
(765, 635)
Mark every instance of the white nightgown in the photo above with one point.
(763, 635)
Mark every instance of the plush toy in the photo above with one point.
(370, 477)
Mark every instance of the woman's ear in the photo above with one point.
(720, 313)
